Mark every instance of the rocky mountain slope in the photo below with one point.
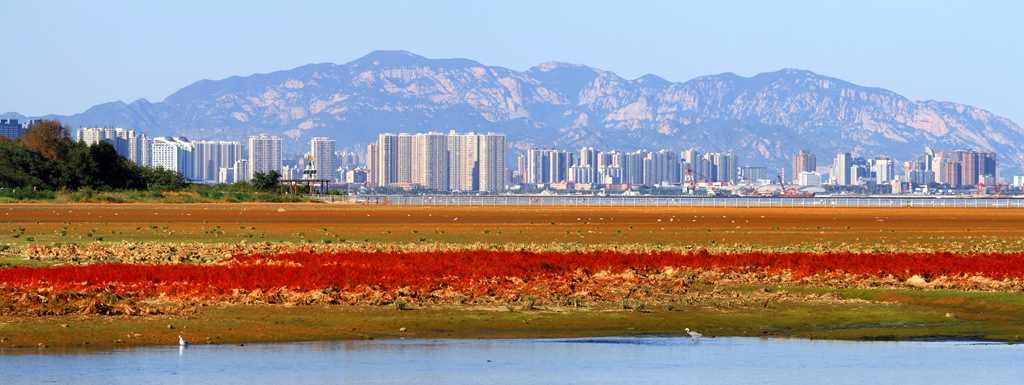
(765, 119)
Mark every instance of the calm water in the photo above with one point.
(579, 361)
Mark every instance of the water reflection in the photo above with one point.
(546, 361)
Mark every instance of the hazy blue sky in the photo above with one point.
(63, 57)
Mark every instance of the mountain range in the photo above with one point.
(765, 119)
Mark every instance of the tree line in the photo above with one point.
(46, 158)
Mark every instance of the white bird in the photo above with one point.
(694, 335)
(182, 342)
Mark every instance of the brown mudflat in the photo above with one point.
(772, 228)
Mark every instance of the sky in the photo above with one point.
(62, 57)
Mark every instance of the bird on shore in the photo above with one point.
(182, 342)
(694, 335)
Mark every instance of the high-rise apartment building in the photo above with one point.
(241, 171)
(430, 160)
(135, 148)
(175, 154)
(970, 166)
(585, 171)
(226, 175)
(841, 169)
(548, 166)
(469, 162)
(609, 167)
(633, 167)
(264, 154)
(373, 163)
(988, 167)
(10, 128)
(212, 155)
(404, 158)
(393, 160)
(951, 173)
(689, 166)
(803, 161)
(493, 176)
(538, 166)
(884, 170)
(464, 158)
(661, 167)
(346, 160)
(724, 168)
(322, 151)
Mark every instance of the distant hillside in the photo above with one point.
(765, 119)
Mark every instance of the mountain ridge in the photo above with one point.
(765, 118)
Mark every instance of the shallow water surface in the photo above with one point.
(651, 360)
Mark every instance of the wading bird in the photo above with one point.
(694, 335)
(182, 342)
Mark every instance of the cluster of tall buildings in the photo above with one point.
(659, 168)
(436, 161)
(137, 148)
(956, 168)
(218, 161)
(476, 162)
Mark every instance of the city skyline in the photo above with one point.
(468, 162)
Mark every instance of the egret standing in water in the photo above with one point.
(694, 335)
(182, 342)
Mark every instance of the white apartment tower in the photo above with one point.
(383, 160)
(492, 162)
(841, 169)
(469, 162)
(211, 156)
(135, 148)
(430, 160)
(403, 159)
(322, 150)
(537, 166)
(175, 154)
(264, 154)
(464, 156)
(661, 167)
(633, 168)
(884, 169)
(241, 171)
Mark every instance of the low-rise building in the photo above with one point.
(809, 178)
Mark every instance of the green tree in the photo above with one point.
(158, 179)
(114, 170)
(77, 168)
(265, 181)
(24, 167)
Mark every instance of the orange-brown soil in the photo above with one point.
(903, 229)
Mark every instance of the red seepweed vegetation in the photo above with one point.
(464, 270)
